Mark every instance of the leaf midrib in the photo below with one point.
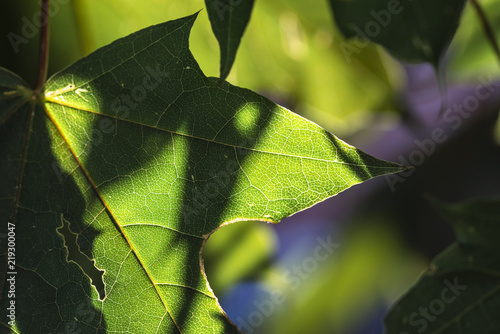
(115, 221)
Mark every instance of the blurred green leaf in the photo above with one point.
(460, 293)
(471, 54)
(142, 156)
(414, 31)
(238, 252)
(229, 19)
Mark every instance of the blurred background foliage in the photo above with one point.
(386, 232)
(471, 54)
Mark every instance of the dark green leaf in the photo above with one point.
(412, 30)
(229, 19)
(460, 293)
(14, 94)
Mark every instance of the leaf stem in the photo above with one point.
(488, 30)
(43, 54)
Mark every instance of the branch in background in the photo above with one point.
(43, 55)
(488, 30)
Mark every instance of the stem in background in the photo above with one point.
(488, 30)
(43, 54)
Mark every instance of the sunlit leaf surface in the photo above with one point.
(132, 161)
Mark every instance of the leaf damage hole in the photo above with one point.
(76, 255)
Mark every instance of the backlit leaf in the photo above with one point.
(132, 161)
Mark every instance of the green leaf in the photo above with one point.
(471, 53)
(460, 293)
(14, 93)
(141, 156)
(414, 31)
(229, 19)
